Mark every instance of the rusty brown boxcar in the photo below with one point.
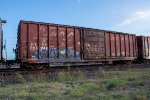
(102, 45)
(48, 43)
(45, 43)
(143, 44)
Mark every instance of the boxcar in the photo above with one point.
(45, 43)
(42, 43)
(143, 44)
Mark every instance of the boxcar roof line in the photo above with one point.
(44, 23)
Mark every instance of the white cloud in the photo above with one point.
(137, 16)
(136, 23)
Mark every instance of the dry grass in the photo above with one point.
(105, 85)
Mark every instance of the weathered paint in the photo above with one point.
(113, 47)
(45, 43)
(120, 46)
(93, 44)
(110, 46)
(107, 40)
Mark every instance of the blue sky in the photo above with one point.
(131, 16)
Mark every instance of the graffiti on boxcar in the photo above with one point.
(34, 56)
(118, 53)
(53, 34)
(62, 33)
(70, 36)
(44, 44)
(70, 53)
(88, 46)
(78, 55)
(122, 53)
(53, 52)
(62, 38)
(62, 53)
(94, 48)
(43, 39)
(113, 38)
(33, 47)
(43, 48)
(43, 53)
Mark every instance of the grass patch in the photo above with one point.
(114, 83)
(79, 90)
(105, 85)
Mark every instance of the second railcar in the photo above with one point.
(143, 44)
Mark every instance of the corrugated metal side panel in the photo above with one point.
(122, 45)
(43, 43)
(118, 45)
(107, 40)
(77, 40)
(113, 45)
(62, 43)
(53, 43)
(102, 44)
(131, 45)
(93, 44)
(127, 45)
(70, 43)
(135, 49)
(22, 41)
(33, 44)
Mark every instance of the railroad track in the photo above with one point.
(89, 68)
(16, 76)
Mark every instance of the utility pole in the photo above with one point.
(5, 50)
(1, 38)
